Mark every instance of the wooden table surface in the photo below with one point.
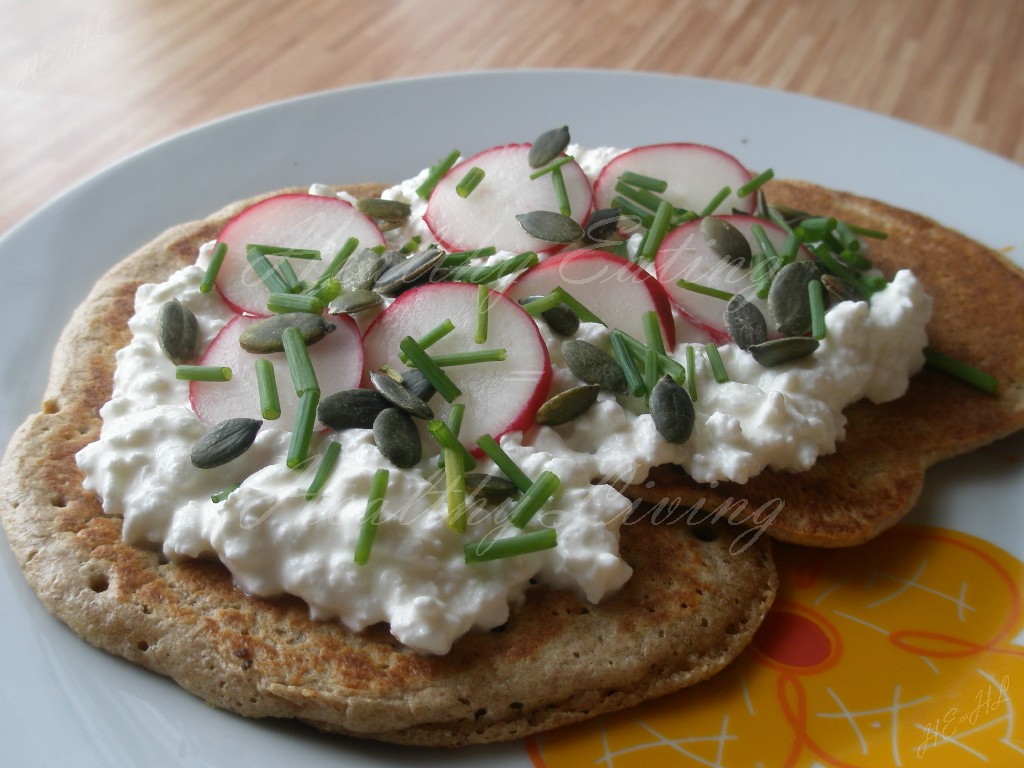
(83, 84)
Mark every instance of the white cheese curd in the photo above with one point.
(274, 541)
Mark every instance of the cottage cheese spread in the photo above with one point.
(274, 541)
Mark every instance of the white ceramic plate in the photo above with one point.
(64, 703)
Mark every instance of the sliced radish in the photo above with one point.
(293, 221)
(695, 173)
(500, 396)
(488, 215)
(337, 360)
(684, 254)
(615, 289)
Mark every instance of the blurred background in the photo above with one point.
(84, 84)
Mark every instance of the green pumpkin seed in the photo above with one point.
(224, 442)
(397, 438)
(418, 384)
(594, 365)
(407, 273)
(399, 396)
(264, 336)
(567, 405)
(841, 290)
(351, 409)
(744, 322)
(386, 210)
(550, 227)
(561, 320)
(548, 146)
(789, 305)
(178, 332)
(672, 410)
(727, 241)
(361, 270)
(491, 487)
(778, 351)
(353, 302)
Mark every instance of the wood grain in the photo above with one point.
(83, 84)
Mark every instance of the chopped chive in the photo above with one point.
(652, 332)
(629, 208)
(447, 435)
(431, 337)
(755, 183)
(817, 226)
(534, 541)
(332, 269)
(455, 490)
(488, 274)
(643, 182)
(817, 301)
(777, 218)
(455, 417)
(222, 495)
(866, 286)
(681, 217)
(431, 370)
(766, 245)
(325, 292)
(652, 370)
(659, 227)
(716, 201)
(561, 195)
(554, 165)
(287, 272)
(625, 361)
(540, 305)
(717, 366)
(533, 498)
(266, 271)
(856, 260)
(266, 384)
(469, 182)
(761, 274)
(483, 303)
(379, 249)
(299, 364)
(704, 289)
(291, 302)
(284, 250)
(411, 244)
(470, 358)
(371, 516)
(437, 171)
(210, 276)
(504, 462)
(638, 350)
(846, 236)
(302, 432)
(324, 470)
(642, 197)
(865, 232)
(458, 258)
(958, 369)
(578, 307)
(202, 373)
(691, 373)
(790, 246)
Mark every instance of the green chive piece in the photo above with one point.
(642, 197)
(437, 171)
(455, 490)
(504, 462)
(455, 417)
(789, 249)
(458, 258)
(325, 292)
(291, 302)
(210, 277)
(327, 464)
(856, 260)
(469, 182)
(578, 307)
(371, 517)
(266, 384)
(266, 271)
(220, 496)
(299, 364)
(332, 269)
(447, 435)
(629, 208)
(431, 337)
(643, 182)
(533, 498)
(816, 296)
(865, 232)
(284, 250)
(431, 370)
(691, 373)
(866, 286)
(704, 289)
(659, 228)
(817, 226)
(756, 183)
(777, 218)
(411, 244)
(634, 382)
(470, 358)
(542, 304)
(554, 165)
(302, 432)
(202, 373)
(965, 372)
(561, 195)
(488, 274)
(652, 371)
(483, 303)
(716, 201)
(717, 365)
(496, 549)
(287, 272)
(639, 351)
(652, 332)
(761, 273)
(766, 245)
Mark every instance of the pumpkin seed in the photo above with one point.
(353, 302)
(744, 322)
(405, 274)
(418, 384)
(224, 442)
(491, 487)
(788, 303)
(778, 351)
(567, 405)
(386, 210)
(361, 270)
(397, 438)
(548, 146)
(594, 365)
(672, 410)
(727, 241)
(178, 332)
(561, 320)
(264, 336)
(840, 289)
(351, 409)
(602, 225)
(550, 227)
(398, 395)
